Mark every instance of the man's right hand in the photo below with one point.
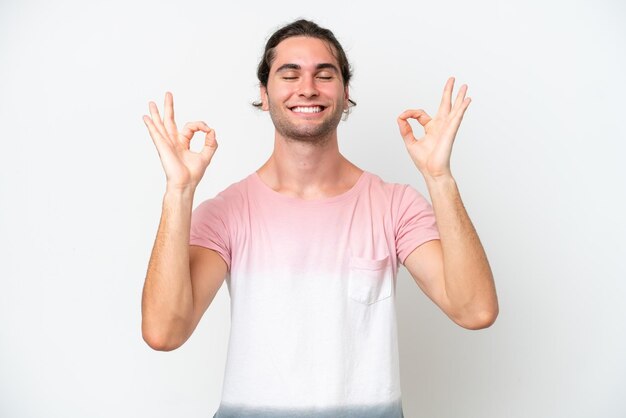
(183, 167)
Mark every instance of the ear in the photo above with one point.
(346, 93)
(264, 98)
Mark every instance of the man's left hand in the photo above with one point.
(431, 153)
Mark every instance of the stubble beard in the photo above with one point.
(317, 135)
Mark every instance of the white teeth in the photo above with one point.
(307, 109)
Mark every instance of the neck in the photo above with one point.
(308, 170)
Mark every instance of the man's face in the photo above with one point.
(305, 94)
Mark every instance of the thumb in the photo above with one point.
(210, 145)
(406, 131)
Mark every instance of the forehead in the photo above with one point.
(304, 51)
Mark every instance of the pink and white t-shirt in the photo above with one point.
(312, 285)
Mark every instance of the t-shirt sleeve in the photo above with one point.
(415, 222)
(209, 227)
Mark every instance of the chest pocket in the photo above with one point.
(370, 280)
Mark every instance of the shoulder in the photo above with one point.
(396, 193)
(232, 197)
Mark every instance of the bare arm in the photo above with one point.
(180, 284)
(453, 271)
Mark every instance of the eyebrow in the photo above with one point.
(322, 66)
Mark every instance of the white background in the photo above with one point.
(538, 160)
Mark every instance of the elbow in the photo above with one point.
(160, 341)
(479, 320)
(159, 344)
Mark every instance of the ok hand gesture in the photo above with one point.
(183, 167)
(431, 153)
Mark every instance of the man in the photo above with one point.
(309, 245)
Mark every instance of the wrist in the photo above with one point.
(440, 180)
(179, 191)
(441, 187)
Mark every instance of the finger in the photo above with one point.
(156, 119)
(460, 97)
(170, 124)
(210, 145)
(444, 106)
(191, 128)
(459, 111)
(455, 122)
(419, 114)
(157, 139)
(154, 133)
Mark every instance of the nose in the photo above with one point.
(307, 87)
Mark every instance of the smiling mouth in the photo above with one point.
(307, 109)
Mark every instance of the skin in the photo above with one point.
(305, 73)
(306, 161)
(453, 271)
(182, 280)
